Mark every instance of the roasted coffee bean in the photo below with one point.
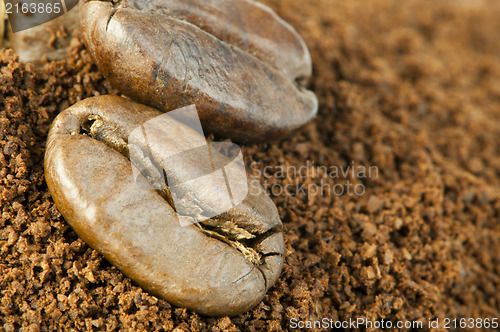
(220, 266)
(237, 61)
(254, 28)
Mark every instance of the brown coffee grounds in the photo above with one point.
(413, 90)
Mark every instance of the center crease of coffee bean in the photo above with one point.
(222, 229)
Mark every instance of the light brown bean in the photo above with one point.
(220, 267)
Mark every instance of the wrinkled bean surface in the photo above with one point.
(222, 266)
(237, 61)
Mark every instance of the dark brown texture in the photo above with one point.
(413, 89)
(137, 230)
(167, 63)
(3, 17)
(246, 24)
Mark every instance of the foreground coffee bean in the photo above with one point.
(241, 65)
(222, 266)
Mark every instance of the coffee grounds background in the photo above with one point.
(413, 89)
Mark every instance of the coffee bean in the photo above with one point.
(237, 61)
(254, 28)
(3, 16)
(220, 266)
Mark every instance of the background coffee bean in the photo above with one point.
(236, 81)
(219, 267)
(246, 24)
